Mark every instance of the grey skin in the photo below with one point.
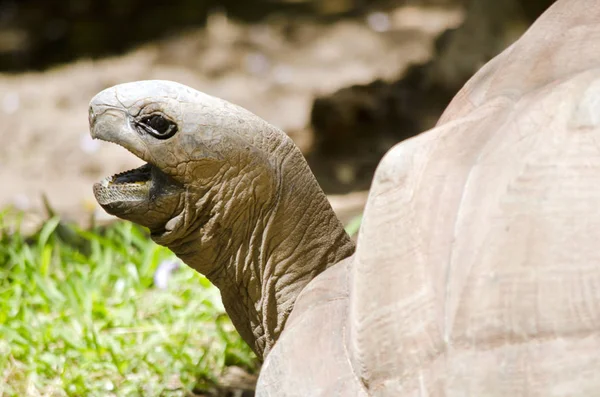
(477, 267)
(229, 194)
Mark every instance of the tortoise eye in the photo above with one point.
(158, 126)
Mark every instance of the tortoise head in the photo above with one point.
(193, 144)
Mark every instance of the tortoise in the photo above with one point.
(476, 271)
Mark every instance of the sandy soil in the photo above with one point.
(274, 69)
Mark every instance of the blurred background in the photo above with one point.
(92, 307)
(346, 79)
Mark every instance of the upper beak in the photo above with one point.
(110, 121)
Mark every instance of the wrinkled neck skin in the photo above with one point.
(260, 232)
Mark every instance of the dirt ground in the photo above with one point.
(274, 69)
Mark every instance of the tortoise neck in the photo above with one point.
(262, 255)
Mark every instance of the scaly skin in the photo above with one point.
(231, 195)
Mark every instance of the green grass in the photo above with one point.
(353, 227)
(79, 317)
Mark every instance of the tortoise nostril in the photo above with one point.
(91, 116)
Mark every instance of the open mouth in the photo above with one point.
(131, 185)
(137, 176)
